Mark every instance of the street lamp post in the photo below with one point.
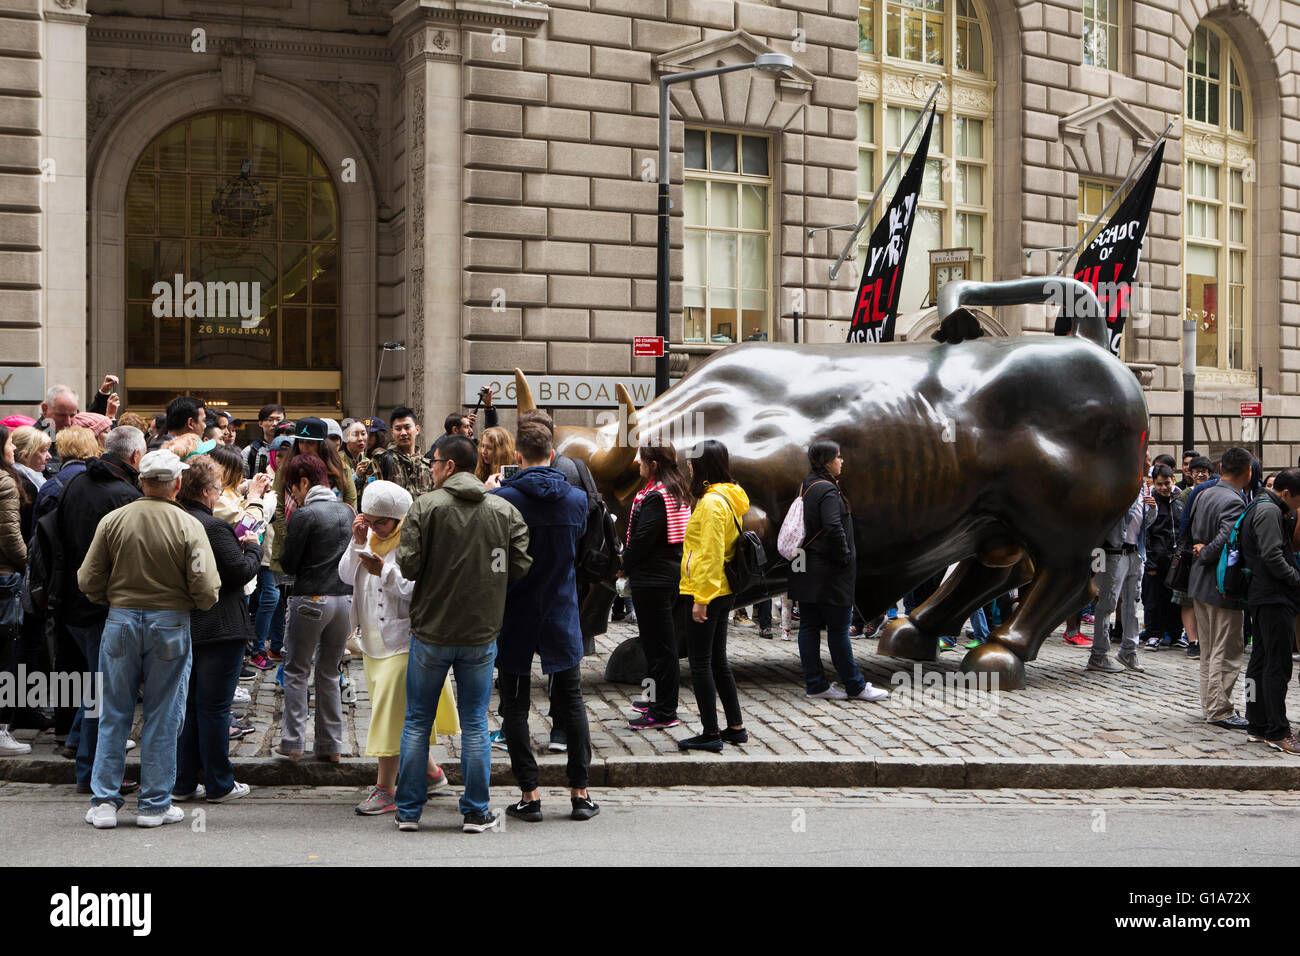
(386, 347)
(1189, 385)
(768, 63)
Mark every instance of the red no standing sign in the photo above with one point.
(648, 346)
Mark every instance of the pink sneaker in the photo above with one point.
(261, 662)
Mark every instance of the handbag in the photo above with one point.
(790, 540)
(1178, 577)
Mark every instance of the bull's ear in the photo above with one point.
(523, 394)
(610, 464)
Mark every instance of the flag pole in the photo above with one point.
(866, 215)
(1101, 216)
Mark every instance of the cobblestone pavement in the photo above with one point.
(1063, 712)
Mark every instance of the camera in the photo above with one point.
(509, 471)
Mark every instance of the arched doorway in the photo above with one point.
(232, 285)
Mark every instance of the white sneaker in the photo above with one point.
(871, 693)
(241, 696)
(102, 816)
(130, 744)
(240, 790)
(173, 815)
(199, 793)
(10, 747)
(834, 692)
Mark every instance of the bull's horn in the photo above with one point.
(523, 394)
(609, 464)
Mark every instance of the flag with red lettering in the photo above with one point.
(876, 308)
(1109, 264)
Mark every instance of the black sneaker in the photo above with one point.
(1235, 722)
(702, 742)
(247, 674)
(584, 808)
(529, 811)
(641, 704)
(559, 742)
(1193, 651)
(735, 736)
(478, 822)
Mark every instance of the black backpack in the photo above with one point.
(745, 569)
(600, 552)
(43, 577)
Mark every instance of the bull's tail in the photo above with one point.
(1076, 298)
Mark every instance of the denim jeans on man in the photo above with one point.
(426, 671)
(204, 744)
(812, 618)
(150, 648)
(87, 639)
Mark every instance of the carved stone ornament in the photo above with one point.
(361, 102)
(415, 236)
(237, 72)
(109, 89)
(1105, 139)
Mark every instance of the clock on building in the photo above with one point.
(948, 265)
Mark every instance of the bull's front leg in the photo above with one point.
(973, 583)
(1057, 591)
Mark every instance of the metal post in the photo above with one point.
(1259, 435)
(661, 255)
(1189, 384)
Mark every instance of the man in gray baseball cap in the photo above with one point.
(151, 563)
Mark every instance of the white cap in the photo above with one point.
(385, 499)
(161, 466)
(332, 429)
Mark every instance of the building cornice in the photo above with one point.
(175, 36)
(524, 16)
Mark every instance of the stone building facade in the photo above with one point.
(475, 179)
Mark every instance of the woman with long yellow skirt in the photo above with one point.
(381, 602)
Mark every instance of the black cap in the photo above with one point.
(314, 429)
(375, 425)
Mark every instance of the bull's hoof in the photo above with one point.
(999, 661)
(627, 663)
(902, 639)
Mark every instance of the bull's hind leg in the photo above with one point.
(1057, 591)
(971, 585)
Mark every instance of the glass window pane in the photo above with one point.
(755, 155)
(970, 184)
(325, 276)
(693, 201)
(722, 204)
(323, 213)
(171, 341)
(927, 234)
(722, 152)
(934, 40)
(171, 148)
(970, 232)
(753, 316)
(970, 140)
(695, 323)
(203, 142)
(293, 155)
(893, 21)
(693, 257)
(866, 171)
(866, 29)
(141, 204)
(324, 338)
(753, 262)
(912, 42)
(866, 123)
(293, 210)
(722, 262)
(1237, 226)
(295, 274)
(234, 142)
(1212, 104)
(1212, 60)
(141, 269)
(1237, 112)
(172, 203)
(265, 148)
(1237, 186)
(294, 336)
(932, 180)
(140, 328)
(753, 200)
(695, 158)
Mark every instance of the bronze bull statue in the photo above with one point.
(1008, 456)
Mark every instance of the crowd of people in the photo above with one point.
(173, 563)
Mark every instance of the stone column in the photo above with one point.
(20, 188)
(430, 59)
(64, 182)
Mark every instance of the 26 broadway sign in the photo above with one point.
(561, 391)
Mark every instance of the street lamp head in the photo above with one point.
(393, 347)
(773, 62)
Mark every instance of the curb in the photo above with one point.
(947, 773)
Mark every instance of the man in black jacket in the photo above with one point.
(107, 483)
(1163, 618)
(1271, 601)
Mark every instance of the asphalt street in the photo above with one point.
(682, 826)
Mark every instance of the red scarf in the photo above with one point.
(679, 515)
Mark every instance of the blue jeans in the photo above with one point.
(264, 602)
(88, 639)
(153, 648)
(836, 621)
(426, 671)
(979, 625)
(204, 743)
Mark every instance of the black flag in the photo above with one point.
(1108, 265)
(876, 307)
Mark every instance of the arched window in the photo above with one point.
(232, 262)
(903, 47)
(1219, 157)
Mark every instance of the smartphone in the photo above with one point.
(509, 471)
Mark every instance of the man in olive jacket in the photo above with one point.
(151, 563)
(461, 547)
